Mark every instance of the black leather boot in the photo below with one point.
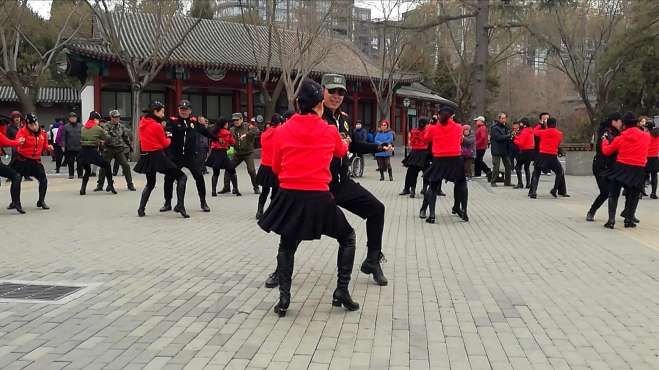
(227, 184)
(285, 263)
(43, 187)
(234, 182)
(272, 281)
(412, 192)
(381, 175)
(432, 200)
(424, 206)
(259, 211)
(110, 188)
(180, 196)
(391, 176)
(204, 206)
(167, 206)
(214, 185)
(83, 186)
(15, 191)
(146, 193)
(613, 205)
(344, 262)
(371, 265)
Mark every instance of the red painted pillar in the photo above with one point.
(236, 101)
(250, 99)
(178, 91)
(98, 86)
(355, 107)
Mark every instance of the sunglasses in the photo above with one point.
(338, 91)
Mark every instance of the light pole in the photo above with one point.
(406, 104)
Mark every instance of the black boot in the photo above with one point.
(381, 175)
(613, 205)
(83, 186)
(234, 182)
(214, 185)
(259, 211)
(204, 205)
(412, 192)
(391, 176)
(98, 188)
(15, 191)
(167, 206)
(227, 184)
(285, 263)
(432, 200)
(146, 193)
(424, 206)
(344, 262)
(371, 265)
(43, 187)
(272, 281)
(110, 188)
(180, 197)
(405, 191)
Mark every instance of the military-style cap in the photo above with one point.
(31, 118)
(73, 114)
(115, 113)
(334, 81)
(236, 116)
(447, 108)
(154, 106)
(185, 104)
(94, 115)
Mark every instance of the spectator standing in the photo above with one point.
(482, 142)
(468, 149)
(501, 143)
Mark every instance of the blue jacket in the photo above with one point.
(361, 134)
(382, 138)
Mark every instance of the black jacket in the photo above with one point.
(339, 167)
(184, 136)
(600, 161)
(500, 140)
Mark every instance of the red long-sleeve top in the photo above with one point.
(525, 140)
(302, 151)
(266, 146)
(224, 140)
(446, 139)
(481, 137)
(5, 141)
(653, 148)
(152, 135)
(34, 144)
(416, 139)
(550, 139)
(632, 147)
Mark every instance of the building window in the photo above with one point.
(146, 97)
(197, 103)
(219, 106)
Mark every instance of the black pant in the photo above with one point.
(460, 196)
(100, 162)
(43, 184)
(263, 197)
(191, 164)
(559, 183)
(411, 177)
(480, 165)
(526, 164)
(507, 167)
(604, 186)
(59, 156)
(352, 197)
(251, 170)
(15, 177)
(653, 182)
(632, 196)
(71, 158)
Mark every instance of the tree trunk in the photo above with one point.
(271, 105)
(481, 55)
(135, 113)
(27, 100)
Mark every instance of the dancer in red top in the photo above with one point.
(525, 142)
(218, 159)
(417, 160)
(629, 169)
(550, 140)
(153, 142)
(8, 172)
(447, 164)
(304, 208)
(652, 167)
(28, 158)
(265, 177)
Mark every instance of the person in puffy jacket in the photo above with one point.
(384, 137)
(501, 139)
(71, 144)
(468, 149)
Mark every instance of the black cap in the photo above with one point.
(276, 119)
(185, 104)
(525, 121)
(288, 114)
(311, 93)
(94, 115)
(551, 122)
(629, 119)
(447, 109)
(31, 118)
(154, 106)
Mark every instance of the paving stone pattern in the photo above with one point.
(524, 285)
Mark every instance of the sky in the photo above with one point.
(43, 6)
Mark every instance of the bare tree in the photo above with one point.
(26, 59)
(164, 41)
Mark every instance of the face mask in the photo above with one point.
(358, 126)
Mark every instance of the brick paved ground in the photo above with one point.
(525, 285)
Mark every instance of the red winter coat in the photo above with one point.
(481, 138)
(152, 135)
(550, 139)
(525, 140)
(227, 139)
(653, 148)
(446, 139)
(632, 147)
(267, 146)
(34, 144)
(416, 139)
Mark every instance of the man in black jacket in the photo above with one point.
(348, 194)
(184, 129)
(501, 140)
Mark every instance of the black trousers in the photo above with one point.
(191, 164)
(632, 196)
(480, 165)
(526, 164)
(411, 177)
(100, 162)
(9, 173)
(71, 158)
(653, 182)
(263, 197)
(559, 182)
(352, 197)
(604, 186)
(59, 156)
(43, 184)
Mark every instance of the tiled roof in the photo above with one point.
(220, 44)
(46, 95)
(418, 91)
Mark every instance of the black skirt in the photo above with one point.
(89, 155)
(545, 162)
(152, 162)
(652, 165)
(417, 158)
(266, 178)
(28, 167)
(627, 175)
(305, 215)
(219, 159)
(446, 168)
(526, 156)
